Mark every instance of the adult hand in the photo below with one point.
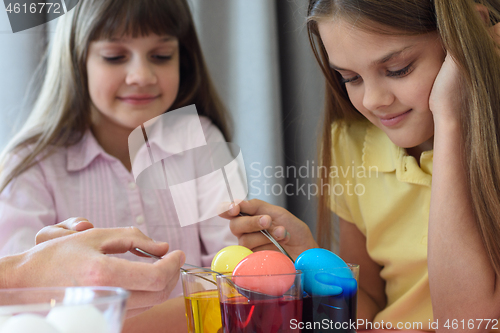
(65, 228)
(293, 234)
(81, 259)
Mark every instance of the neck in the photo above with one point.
(418, 150)
(112, 138)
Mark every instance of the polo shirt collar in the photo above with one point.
(379, 151)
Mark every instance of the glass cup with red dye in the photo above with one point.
(276, 307)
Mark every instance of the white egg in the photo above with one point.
(27, 323)
(3, 319)
(78, 319)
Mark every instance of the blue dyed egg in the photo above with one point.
(347, 285)
(325, 273)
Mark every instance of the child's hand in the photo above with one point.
(444, 100)
(495, 33)
(289, 231)
(65, 228)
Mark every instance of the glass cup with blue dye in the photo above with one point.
(331, 300)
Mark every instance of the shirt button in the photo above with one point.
(132, 185)
(139, 219)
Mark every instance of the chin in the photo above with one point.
(406, 142)
(137, 122)
(423, 143)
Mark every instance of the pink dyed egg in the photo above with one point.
(260, 271)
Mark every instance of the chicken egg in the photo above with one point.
(226, 259)
(325, 273)
(78, 319)
(27, 323)
(267, 272)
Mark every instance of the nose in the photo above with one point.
(141, 73)
(377, 95)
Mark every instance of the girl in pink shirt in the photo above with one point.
(112, 65)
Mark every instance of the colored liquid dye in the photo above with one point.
(203, 312)
(329, 313)
(260, 316)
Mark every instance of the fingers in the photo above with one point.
(267, 247)
(228, 210)
(64, 228)
(256, 240)
(142, 300)
(82, 225)
(121, 240)
(51, 232)
(255, 207)
(248, 224)
(247, 228)
(159, 277)
(149, 284)
(250, 207)
(259, 207)
(495, 33)
(75, 223)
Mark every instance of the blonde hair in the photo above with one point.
(61, 112)
(467, 39)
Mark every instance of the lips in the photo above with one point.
(393, 120)
(138, 99)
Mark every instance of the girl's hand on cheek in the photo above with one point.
(495, 34)
(446, 95)
(445, 100)
(65, 228)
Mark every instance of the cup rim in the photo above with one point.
(297, 272)
(117, 294)
(349, 265)
(190, 271)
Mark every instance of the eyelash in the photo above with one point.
(402, 72)
(398, 74)
(159, 58)
(349, 80)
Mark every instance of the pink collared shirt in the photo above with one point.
(85, 181)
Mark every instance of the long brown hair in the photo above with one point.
(61, 112)
(466, 38)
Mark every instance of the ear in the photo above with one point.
(483, 13)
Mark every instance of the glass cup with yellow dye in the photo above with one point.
(202, 301)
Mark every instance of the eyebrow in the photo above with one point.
(127, 40)
(380, 61)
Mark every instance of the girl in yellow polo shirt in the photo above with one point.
(411, 150)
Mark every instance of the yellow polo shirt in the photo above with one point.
(382, 190)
